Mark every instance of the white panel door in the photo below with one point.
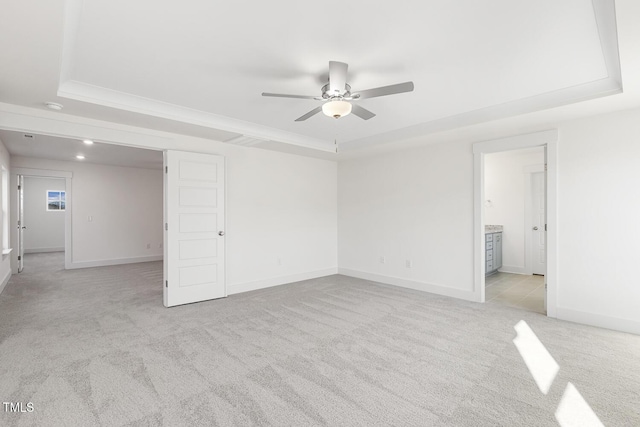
(538, 233)
(194, 228)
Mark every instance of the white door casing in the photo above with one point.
(194, 228)
(546, 222)
(538, 234)
(21, 225)
(549, 140)
(16, 174)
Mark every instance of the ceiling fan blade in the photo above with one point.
(309, 114)
(282, 95)
(384, 91)
(337, 77)
(363, 113)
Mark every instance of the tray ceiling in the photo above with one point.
(205, 64)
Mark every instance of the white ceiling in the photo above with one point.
(56, 148)
(198, 67)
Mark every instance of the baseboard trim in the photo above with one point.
(513, 269)
(411, 284)
(4, 282)
(42, 250)
(599, 320)
(116, 261)
(237, 288)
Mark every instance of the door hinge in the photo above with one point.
(545, 227)
(166, 283)
(19, 187)
(19, 257)
(166, 226)
(166, 169)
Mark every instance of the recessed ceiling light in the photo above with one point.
(53, 106)
(87, 141)
(80, 157)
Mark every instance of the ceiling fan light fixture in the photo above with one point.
(336, 109)
(337, 93)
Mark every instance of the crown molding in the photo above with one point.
(84, 92)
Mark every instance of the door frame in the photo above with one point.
(549, 140)
(15, 214)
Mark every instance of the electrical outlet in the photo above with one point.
(409, 263)
(382, 260)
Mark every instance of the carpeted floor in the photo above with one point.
(96, 347)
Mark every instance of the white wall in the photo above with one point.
(125, 205)
(5, 260)
(412, 205)
(418, 204)
(45, 229)
(599, 220)
(506, 180)
(281, 218)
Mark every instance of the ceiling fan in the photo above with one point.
(337, 93)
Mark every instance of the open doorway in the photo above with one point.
(104, 200)
(42, 210)
(514, 213)
(133, 205)
(547, 141)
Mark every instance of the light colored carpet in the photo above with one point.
(96, 347)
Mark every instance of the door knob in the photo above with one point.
(220, 233)
(535, 228)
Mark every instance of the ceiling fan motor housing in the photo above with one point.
(326, 92)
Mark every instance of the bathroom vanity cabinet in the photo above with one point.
(493, 252)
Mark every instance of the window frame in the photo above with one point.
(62, 199)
